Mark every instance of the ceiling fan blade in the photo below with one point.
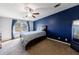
(36, 13)
(33, 16)
(30, 9)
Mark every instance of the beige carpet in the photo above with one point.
(50, 47)
(13, 47)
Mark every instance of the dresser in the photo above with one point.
(75, 36)
(0, 40)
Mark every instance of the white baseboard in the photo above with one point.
(5, 40)
(16, 37)
(58, 41)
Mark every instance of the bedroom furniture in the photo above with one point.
(0, 40)
(75, 37)
(75, 45)
(32, 37)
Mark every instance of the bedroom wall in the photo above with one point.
(5, 28)
(59, 24)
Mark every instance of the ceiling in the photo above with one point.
(17, 11)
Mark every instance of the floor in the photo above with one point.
(45, 47)
(13, 47)
(50, 47)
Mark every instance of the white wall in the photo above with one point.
(5, 28)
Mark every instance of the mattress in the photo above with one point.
(28, 36)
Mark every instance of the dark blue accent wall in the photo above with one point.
(13, 22)
(60, 24)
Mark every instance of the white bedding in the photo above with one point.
(28, 36)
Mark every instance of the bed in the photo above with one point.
(27, 37)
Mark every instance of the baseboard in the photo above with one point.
(16, 37)
(58, 41)
(5, 40)
(9, 39)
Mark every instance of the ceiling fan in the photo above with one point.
(31, 12)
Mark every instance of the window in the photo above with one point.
(21, 26)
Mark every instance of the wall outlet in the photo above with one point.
(65, 39)
(58, 37)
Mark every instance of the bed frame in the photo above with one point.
(29, 39)
(34, 42)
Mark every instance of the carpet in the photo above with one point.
(51, 47)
